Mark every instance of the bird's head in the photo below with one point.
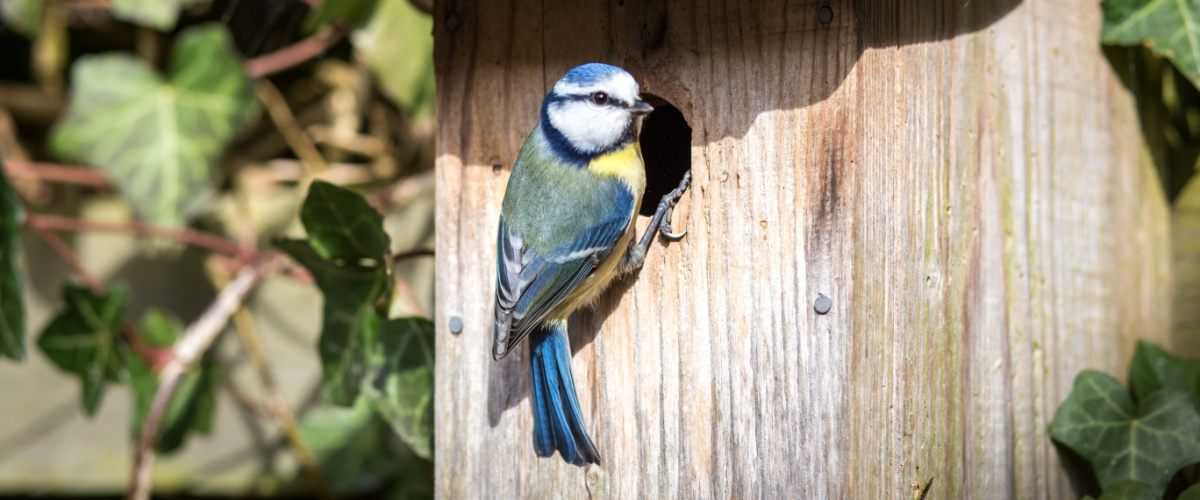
(595, 107)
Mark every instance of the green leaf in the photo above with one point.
(1153, 369)
(1192, 493)
(398, 48)
(341, 225)
(158, 14)
(401, 383)
(353, 12)
(159, 139)
(351, 324)
(351, 447)
(23, 16)
(1171, 27)
(1147, 444)
(12, 311)
(1129, 490)
(84, 339)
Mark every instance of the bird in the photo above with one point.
(566, 231)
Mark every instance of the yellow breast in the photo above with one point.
(624, 164)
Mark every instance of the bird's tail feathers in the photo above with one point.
(557, 420)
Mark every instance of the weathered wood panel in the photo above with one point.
(963, 179)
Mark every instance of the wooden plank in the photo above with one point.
(985, 224)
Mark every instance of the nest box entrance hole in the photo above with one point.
(666, 141)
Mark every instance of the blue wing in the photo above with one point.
(529, 285)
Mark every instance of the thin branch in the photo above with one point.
(277, 406)
(417, 252)
(195, 341)
(292, 55)
(69, 258)
(66, 174)
(285, 121)
(184, 235)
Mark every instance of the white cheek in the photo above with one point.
(588, 127)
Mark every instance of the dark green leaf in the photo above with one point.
(12, 311)
(1192, 493)
(351, 324)
(1129, 490)
(84, 339)
(398, 47)
(158, 14)
(341, 225)
(1147, 444)
(1153, 369)
(401, 382)
(160, 140)
(352, 12)
(351, 445)
(1172, 28)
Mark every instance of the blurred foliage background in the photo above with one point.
(154, 149)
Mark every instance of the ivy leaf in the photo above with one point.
(354, 12)
(351, 324)
(159, 139)
(351, 446)
(1129, 490)
(341, 225)
(397, 46)
(1148, 443)
(12, 311)
(1192, 493)
(401, 383)
(1172, 29)
(158, 14)
(1153, 369)
(192, 406)
(84, 339)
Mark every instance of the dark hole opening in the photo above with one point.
(667, 149)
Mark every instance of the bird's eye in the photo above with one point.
(600, 98)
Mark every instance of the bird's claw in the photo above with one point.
(667, 206)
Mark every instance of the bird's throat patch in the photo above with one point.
(624, 164)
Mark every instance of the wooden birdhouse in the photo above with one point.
(911, 224)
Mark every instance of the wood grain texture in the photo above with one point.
(965, 181)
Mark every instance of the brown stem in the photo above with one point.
(69, 258)
(418, 252)
(66, 174)
(285, 121)
(184, 235)
(195, 341)
(274, 62)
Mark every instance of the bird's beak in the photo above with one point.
(641, 108)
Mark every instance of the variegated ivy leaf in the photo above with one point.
(160, 139)
(84, 339)
(158, 14)
(400, 384)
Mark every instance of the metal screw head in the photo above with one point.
(456, 325)
(452, 21)
(825, 14)
(823, 304)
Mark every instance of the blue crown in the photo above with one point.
(591, 73)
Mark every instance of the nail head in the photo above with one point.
(823, 304)
(456, 325)
(452, 21)
(825, 14)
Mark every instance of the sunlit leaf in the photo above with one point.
(398, 47)
(351, 324)
(341, 225)
(84, 339)
(401, 383)
(1172, 28)
(192, 406)
(23, 16)
(1129, 490)
(352, 12)
(1153, 369)
(158, 14)
(351, 447)
(1147, 443)
(159, 139)
(12, 311)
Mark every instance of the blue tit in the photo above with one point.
(566, 231)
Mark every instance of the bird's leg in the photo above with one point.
(635, 256)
